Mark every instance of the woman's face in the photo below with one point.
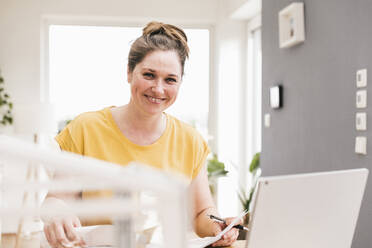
(155, 82)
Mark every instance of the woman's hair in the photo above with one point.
(158, 36)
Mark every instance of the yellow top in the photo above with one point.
(95, 134)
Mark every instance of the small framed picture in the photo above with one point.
(291, 25)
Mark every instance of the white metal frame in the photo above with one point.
(168, 188)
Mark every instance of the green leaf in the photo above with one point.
(255, 162)
(254, 168)
(216, 168)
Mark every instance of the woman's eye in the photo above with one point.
(148, 75)
(171, 80)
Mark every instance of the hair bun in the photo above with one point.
(171, 31)
(157, 36)
(153, 28)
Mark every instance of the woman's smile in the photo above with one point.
(156, 100)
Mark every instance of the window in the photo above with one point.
(87, 71)
(254, 93)
(248, 137)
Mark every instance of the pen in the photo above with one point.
(217, 219)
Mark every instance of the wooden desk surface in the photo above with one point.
(8, 241)
(239, 244)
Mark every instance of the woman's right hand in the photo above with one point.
(59, 231)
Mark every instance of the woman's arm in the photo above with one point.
(59, 230)
(204, 206)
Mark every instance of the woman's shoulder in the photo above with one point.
(180, 124)
(181, 127)
(92, 114)
(92, 117)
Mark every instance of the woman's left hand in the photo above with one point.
(228, 238)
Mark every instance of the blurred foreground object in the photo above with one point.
(92, 174)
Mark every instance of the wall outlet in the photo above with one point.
(361, 121)
(361, 78)
(361, 145)
(267, 120)
(361, 99)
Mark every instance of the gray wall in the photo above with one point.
(315, 129)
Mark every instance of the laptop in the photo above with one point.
(315, 210)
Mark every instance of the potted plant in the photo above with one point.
(215, 170)
(6, 106)
(245, 194)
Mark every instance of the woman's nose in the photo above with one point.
(158, 87)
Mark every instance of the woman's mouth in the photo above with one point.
(155, 99)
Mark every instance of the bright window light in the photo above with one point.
(87, 72)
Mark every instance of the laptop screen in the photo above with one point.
(307, 210)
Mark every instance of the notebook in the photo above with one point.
(104, 236)
(307, 210)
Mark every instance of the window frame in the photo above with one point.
(48, 20)
(251, 104)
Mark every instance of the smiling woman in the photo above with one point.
(141, 131)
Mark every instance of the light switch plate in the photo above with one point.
(361, 145)
(361, 121)
(267, 120)
(361, 78)
(276, 96)
(361, 99)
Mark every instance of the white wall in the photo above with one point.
(234, 5)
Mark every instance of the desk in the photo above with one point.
(8, 241)
(239, 244)
(32, 241)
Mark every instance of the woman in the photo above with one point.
(141, 131)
